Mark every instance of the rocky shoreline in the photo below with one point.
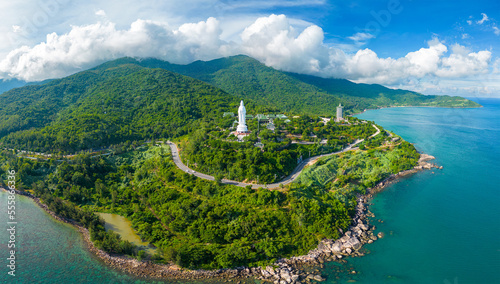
(144, 268)
(284, 271)
(423, 164)
(289, 270)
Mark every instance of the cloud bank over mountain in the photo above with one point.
(273, 40)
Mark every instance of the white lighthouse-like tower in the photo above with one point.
(242, 112)
(340, 116)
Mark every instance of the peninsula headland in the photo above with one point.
(284, 185)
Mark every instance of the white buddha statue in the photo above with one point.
(242, 112)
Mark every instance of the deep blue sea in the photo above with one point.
(441, 226)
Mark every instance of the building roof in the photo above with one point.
(228, 114)
(281, 116)
(271, 126)
(261, 116)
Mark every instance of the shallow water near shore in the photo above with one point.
(50, 251)
(440, 227)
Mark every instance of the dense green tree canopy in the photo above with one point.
(90, 110)
(118, 107)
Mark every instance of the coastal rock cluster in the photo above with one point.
(424, 165)
(286, 271)
(289, 270)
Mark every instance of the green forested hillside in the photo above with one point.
(245, 76)
(364, 96)
(97, 108)
(130, 99)
(195, 223)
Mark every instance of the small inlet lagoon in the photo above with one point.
(123, 227)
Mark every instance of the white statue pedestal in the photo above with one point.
(242, 129)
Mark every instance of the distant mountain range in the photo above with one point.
(133, 99)
(291, 92)
(6, 85)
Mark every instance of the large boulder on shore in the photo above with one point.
(270, 270)
(363, 226)
(336, 248)
(353, 243)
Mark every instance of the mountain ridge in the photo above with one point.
(70, 114)
(246, 76)
(97, 108)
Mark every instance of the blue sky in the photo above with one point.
(434, 47)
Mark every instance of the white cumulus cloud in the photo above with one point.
(100, 13)
(86, 46)
(273, 40)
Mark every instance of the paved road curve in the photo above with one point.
(285, 181)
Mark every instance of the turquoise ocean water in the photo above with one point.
(49, 251)
(441, 226)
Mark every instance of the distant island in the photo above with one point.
(96, 141)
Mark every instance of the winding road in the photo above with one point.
(285, 181)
